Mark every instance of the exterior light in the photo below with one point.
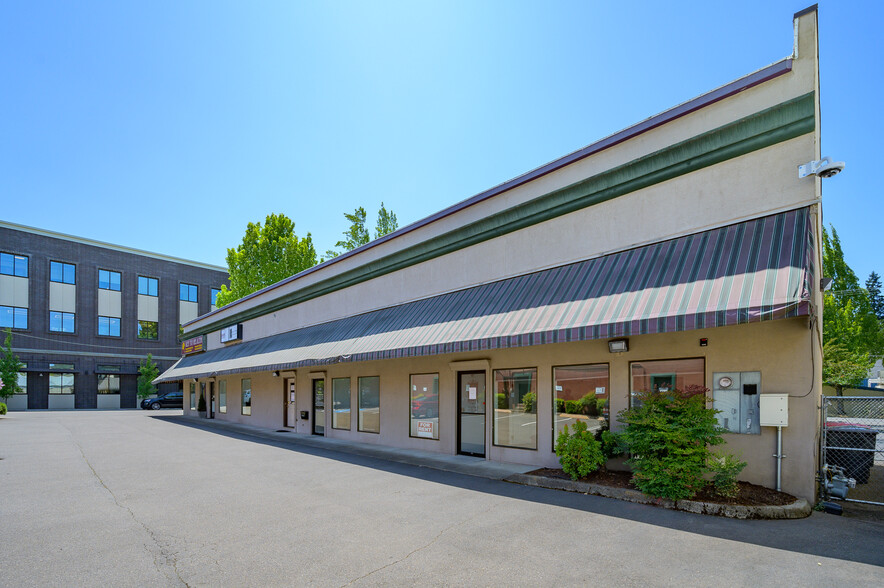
(275, 374)
(618, 345)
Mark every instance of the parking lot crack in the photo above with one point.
(164, 553)
(428, 544)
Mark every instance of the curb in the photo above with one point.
(797, 510)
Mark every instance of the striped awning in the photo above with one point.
(747, 272)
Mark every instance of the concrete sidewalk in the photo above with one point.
(460, 464)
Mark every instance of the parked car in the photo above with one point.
(167, 400)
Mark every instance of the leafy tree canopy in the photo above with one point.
(268, 254)
(357, 235)
(873, 286)
(851, 331)
(10, 366)
(147, 373)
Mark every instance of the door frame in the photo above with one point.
(459, 413)
(211, 406)
(313, 406)
(286, 401)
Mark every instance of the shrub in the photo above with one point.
(668, 435)
(612, 444)
(572, 406)
(579, 452)
(725, 468)
(560, 405)
(2, 408)
(501, 400)
(201, 404)
(588, 405)
(530, 401)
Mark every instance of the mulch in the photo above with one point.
(749, 494)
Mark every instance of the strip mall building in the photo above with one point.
(683, 250)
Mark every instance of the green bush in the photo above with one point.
(530, 402)
(725, 468)
(2, 408)
(588, 405)
(201, 404)
(560, 405)
(612, 444)
(501, 400)
(668, 435)
(579, 452)
(572, 407)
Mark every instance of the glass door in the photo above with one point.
(319, 407)
(471, 413)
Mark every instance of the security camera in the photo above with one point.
(824, 168)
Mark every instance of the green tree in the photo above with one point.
(844, 368)
(387, 222)
(267, 254)
(10, 366)
(147, 373)
(848, 317)
(873, 287)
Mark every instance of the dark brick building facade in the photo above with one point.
(85, 314)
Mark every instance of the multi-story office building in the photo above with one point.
(84, 314)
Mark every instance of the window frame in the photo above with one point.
(192, 289)
(554, 398)
(494, 408)
(64, 276)
(192, 394)
(242, 397)
(138, 331)
(349, 426)
(213, 295)
(110, 284)
(222, 396)
(15, 265)
(21, 378)
(359, 426)
(14, 312)
(108, 376)
(63, 317)
(632, 392)
(110, 320)
(149, 281)
(56, 370)
(411, 417)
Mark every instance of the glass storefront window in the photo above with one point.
(341, 403)
(108, 384)
(247, 396)
(22, 380)
(515, 408)
(222, 396)
(61, 383)
(369, 404)
(666, 374)
(425, 406)
(580, 393)
(193, 396)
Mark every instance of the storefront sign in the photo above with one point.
(194, 345)
(425, 429)
(231, 333)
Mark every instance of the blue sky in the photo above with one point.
(167, 126)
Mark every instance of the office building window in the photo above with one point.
(61, 322)
(247, 396)
(108, 326)
(108, 384)
(580, 393)
(370, 404)
(187, 292)
(515, 408)
(22, 380)
(222, 396)
(341, 403)
(108, 280)
(65, 273)
(61, 382)
(215, 292)
(13, 317)
(148, 330)
(13, 265)
(425, 406)
(664, 375)
(147, 286)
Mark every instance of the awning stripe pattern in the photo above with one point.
(752, 271)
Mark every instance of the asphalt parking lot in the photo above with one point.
(137, 498)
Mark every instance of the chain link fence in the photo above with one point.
(853, 440)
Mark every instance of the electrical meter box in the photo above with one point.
(775, 410)
(735, 395)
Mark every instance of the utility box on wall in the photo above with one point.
(775, 410)
(736, 395)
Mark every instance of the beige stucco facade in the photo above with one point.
(756, 182)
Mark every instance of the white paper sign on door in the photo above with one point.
(473, 392)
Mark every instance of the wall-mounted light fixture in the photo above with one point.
(276, 374)
(618, 345)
